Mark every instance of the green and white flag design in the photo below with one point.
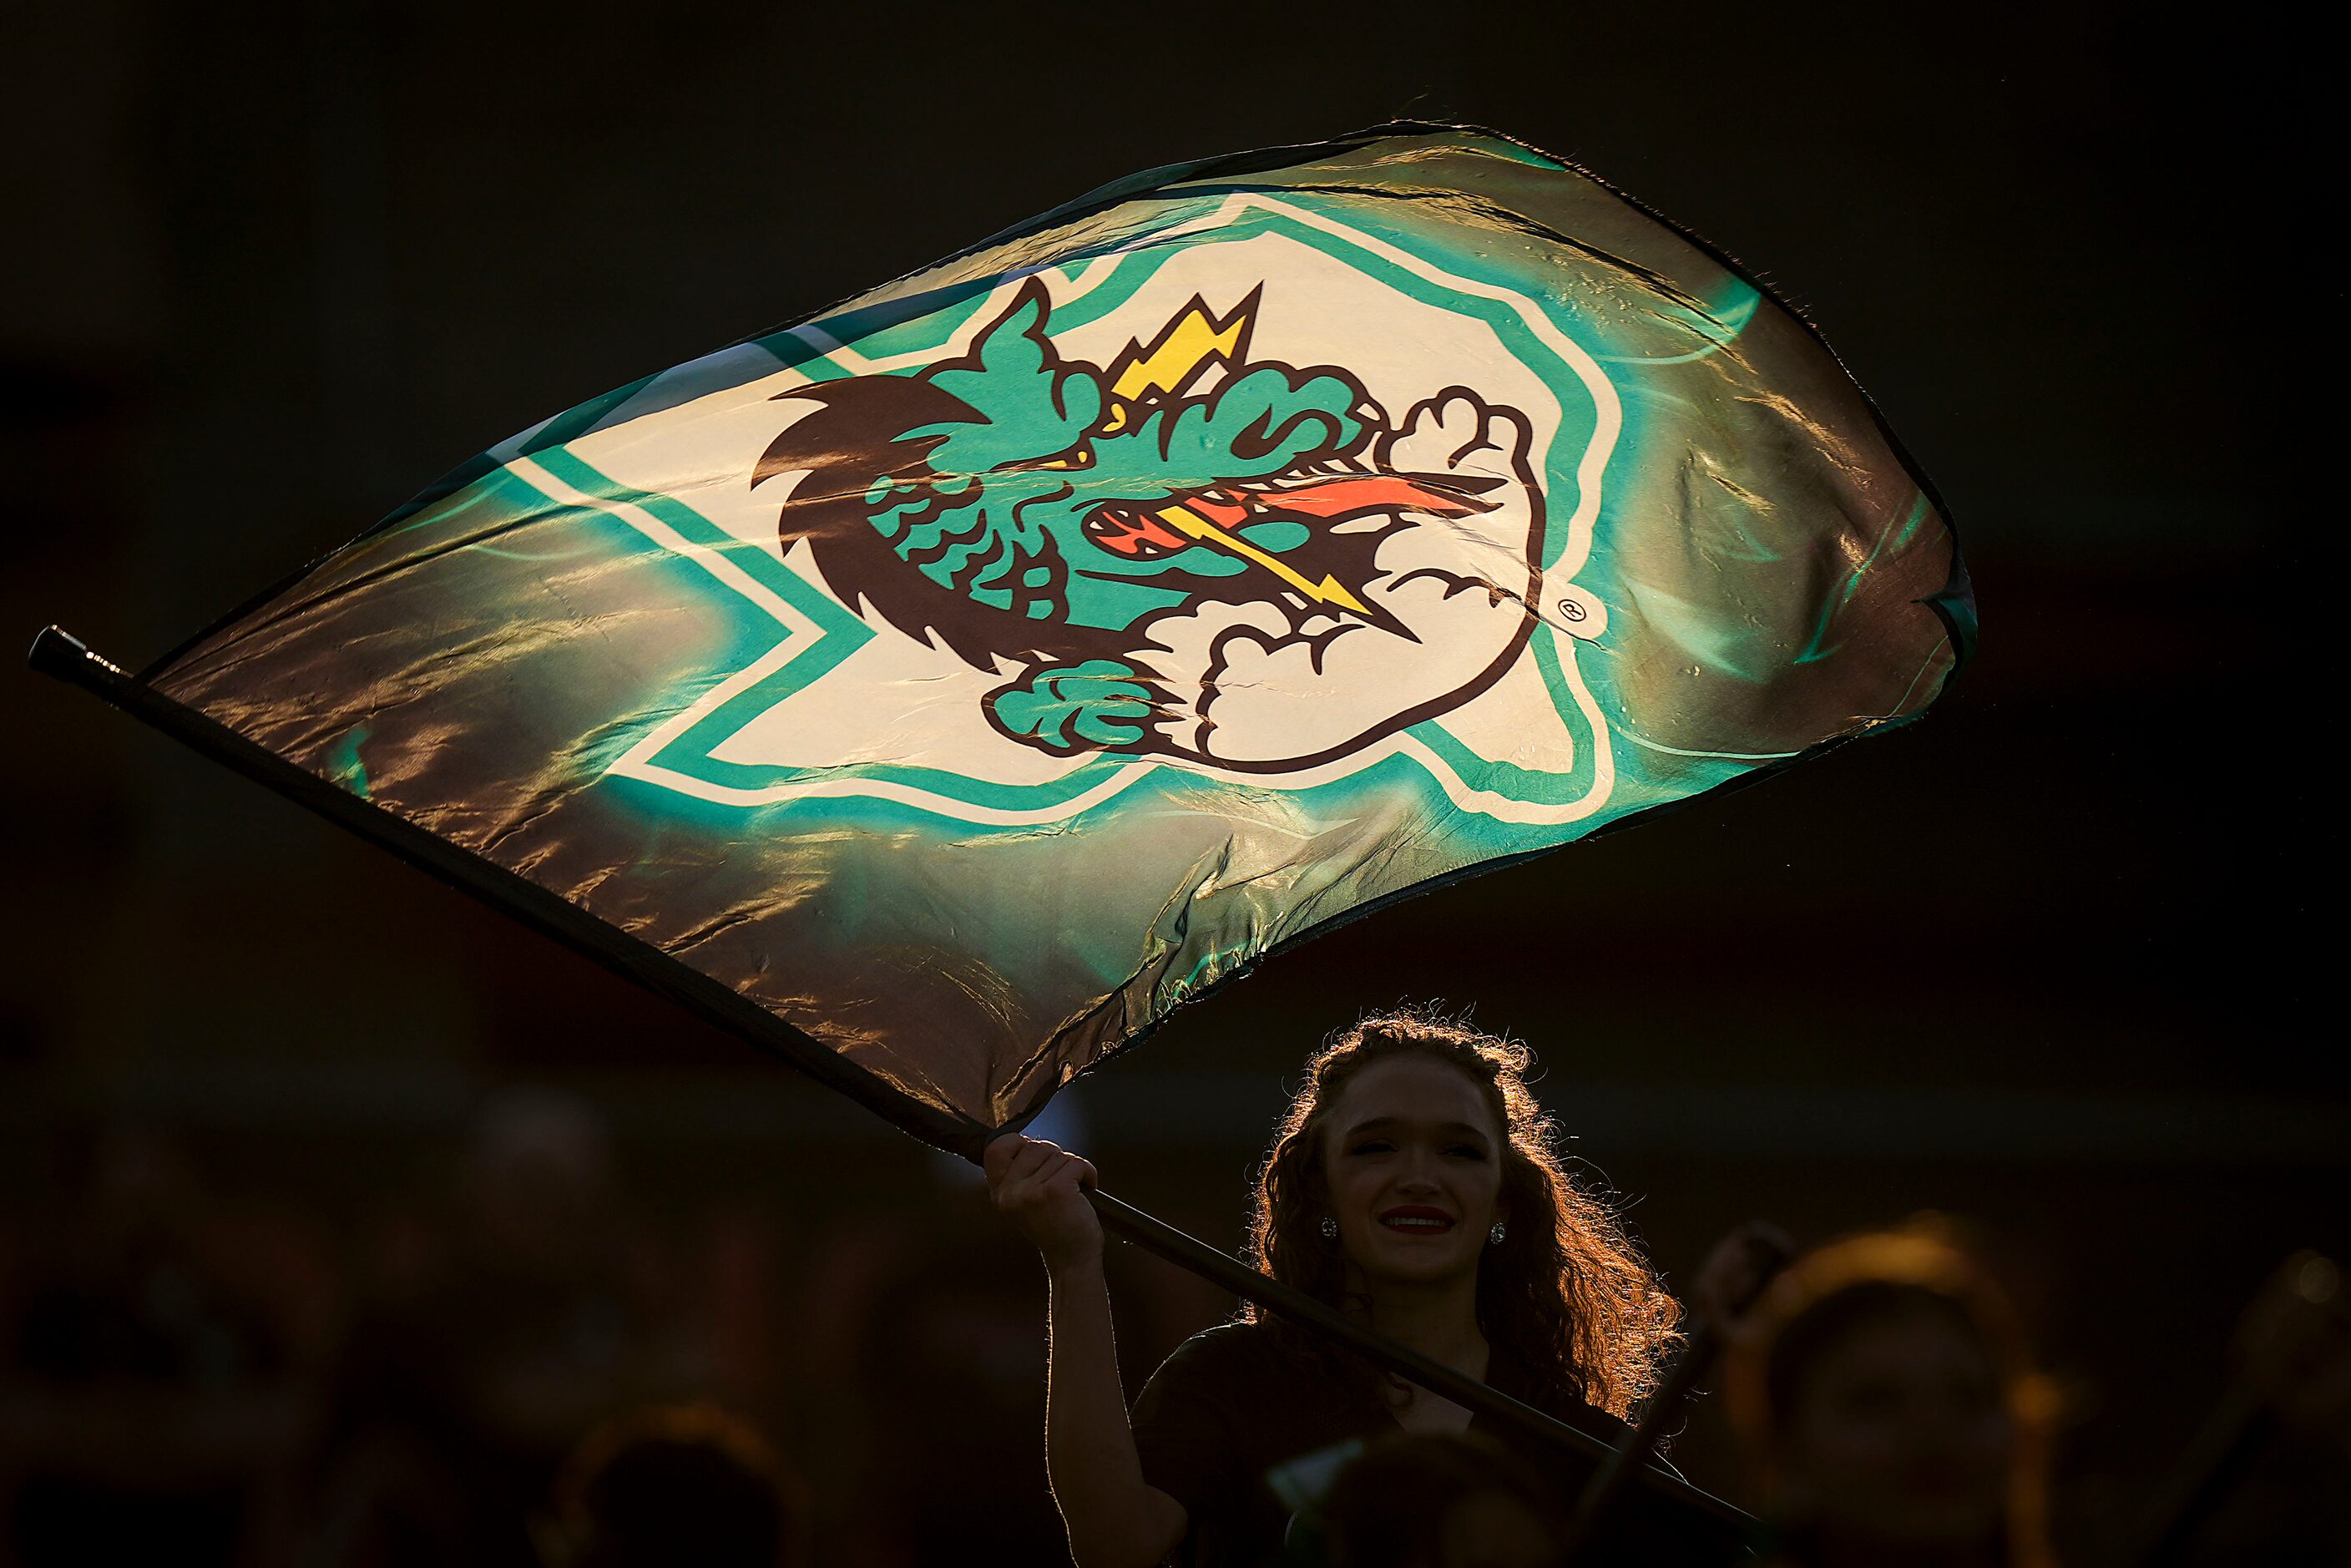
(967, 676)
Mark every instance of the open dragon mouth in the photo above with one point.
(1215, 517)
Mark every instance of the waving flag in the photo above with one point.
(950, 684)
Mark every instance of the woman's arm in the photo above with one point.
(1115, 1519)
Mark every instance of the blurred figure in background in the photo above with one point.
(2268, 1479)
(1439, 1501)
(146, 1393)
(683, 1486)
(1884, 1391)
(950, 1375)
(454, 1407)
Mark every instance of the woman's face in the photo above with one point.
(1898, 1438)
(1411, 1161)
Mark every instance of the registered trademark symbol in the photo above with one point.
(1569, 610)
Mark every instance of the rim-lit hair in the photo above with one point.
(1566, 1290)
(1880, 1275)
(620, 1491)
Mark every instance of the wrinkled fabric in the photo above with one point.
(974, 673)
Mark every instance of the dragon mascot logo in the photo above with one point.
(1189, 551)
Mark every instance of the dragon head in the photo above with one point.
(1061, 503)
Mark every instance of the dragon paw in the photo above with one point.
(1098, 705)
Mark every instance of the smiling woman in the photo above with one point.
(1414, 1183)
(1404, 1106)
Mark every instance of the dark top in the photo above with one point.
(1232, 1406)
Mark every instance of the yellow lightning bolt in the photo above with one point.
(1168, 365)
(1327, 591)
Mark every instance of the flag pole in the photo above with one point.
(57, 653)
(1762, 1252)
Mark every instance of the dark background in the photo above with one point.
(2045, 963)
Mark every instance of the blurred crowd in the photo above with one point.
(520, 1367)
(1891, 1416)
(516, 1365)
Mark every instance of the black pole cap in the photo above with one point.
(58, 653)
(55, 650)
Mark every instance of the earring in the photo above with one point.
(1494, 1237)
(1330, 1228)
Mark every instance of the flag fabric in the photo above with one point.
(974, 671)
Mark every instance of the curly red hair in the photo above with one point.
(1566, 1290)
